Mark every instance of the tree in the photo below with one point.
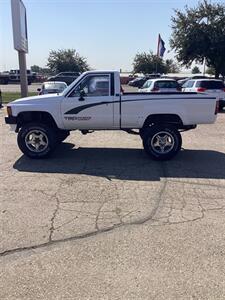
(35, 68)
(66, 60)
(199, 33)
(45, 71)
(172, 66)
(210, 71)
(148, 63)
(195, 70)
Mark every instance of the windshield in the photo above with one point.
(54, 86)
(71, 85)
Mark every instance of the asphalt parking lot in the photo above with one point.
(99, 220)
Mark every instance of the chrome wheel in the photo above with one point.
(162, 142)
(36, 141)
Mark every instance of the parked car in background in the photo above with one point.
(160, 85)
(213, 87)
(41, 78)
(4, 77)
(183, 81)
(13, 76)
(67, 77)
(138, 82)
(52, 87)
(125, 79)
(153, 75)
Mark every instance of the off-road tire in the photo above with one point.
(48, 133)
(168, 132)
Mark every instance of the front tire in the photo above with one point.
(162, 142)
(36, 140)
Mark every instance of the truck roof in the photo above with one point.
(100, 71)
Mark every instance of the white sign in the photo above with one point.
(19, 22)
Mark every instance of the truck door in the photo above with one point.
(89, 105)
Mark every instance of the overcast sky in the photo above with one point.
(108, 33)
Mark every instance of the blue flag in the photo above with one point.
(161, 47)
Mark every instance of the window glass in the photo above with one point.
(54, 85)
(211, 84)
(149, 83)
(166, 84)
(184, 85)
(146, 84)
(93, 86)
(190, 83)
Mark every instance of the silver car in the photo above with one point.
(160, 86)
(213, 87)
(52, 87)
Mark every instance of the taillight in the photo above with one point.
(223, 89)
(200, 90)
(155, 89)
(217, 107)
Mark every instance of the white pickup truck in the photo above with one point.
(95, 101)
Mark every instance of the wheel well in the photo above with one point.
(35, 116)
(163, 119)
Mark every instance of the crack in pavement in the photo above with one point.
(52, 228)
(196, 183)
(97, 216)
(161, 202)
(95, 232)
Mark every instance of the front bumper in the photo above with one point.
(11, 120)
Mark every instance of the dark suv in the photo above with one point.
(67, 77)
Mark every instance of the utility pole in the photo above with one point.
(204, 62)
(23, 73)
(19, 23)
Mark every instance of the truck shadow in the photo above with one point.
(126, 164)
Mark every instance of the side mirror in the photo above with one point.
(82, 95)
(39, 89)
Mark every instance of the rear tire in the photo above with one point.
(36, 140)
(162, 142)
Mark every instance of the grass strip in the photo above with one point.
(10, 96)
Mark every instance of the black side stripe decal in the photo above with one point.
(78, 109)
